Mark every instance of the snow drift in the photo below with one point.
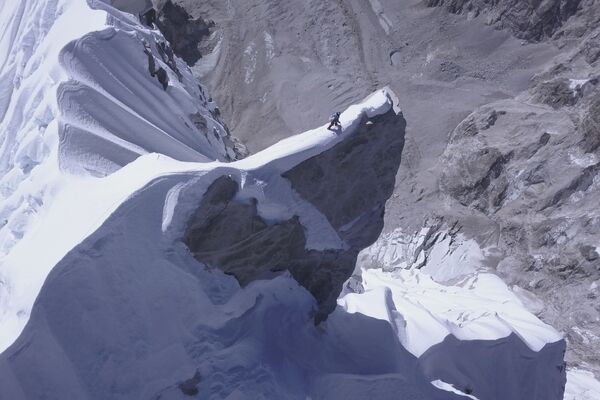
(126, 253)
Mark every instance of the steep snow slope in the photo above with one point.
(86, 103)
(478, 307)
(128, 313)
(77, 100)
(434, 288)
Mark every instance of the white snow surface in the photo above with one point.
(423, 312)
(446, 292)
(100, 169)
(128, 284)
(76, 96)
(449, 388)
(581, 385)
(77, 101)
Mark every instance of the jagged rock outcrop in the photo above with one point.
(183, 31)
(534, 171)
(537, 182)
(590, 127)
(475, 178)
(527, 20)
(349, 184)
(556, 93)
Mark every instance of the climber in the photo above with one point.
(334, 120)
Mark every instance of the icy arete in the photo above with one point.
(310, 211)
(131, 287)
(79, 104)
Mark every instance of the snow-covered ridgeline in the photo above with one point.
(76, 95)
(129, 289)
(132, 289)
(80, 203)
(77, 101)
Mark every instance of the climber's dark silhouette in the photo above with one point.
(334, 120)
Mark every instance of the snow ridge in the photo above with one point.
(77, 102)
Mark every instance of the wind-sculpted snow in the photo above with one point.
(425, 312)
(75, 91)
(112, 110)
(129, 313)
(433, 288)
(77, 100)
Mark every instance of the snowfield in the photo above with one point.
(100, 171)
(423, 312)
(581, 385)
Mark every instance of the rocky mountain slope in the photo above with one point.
(533, 160)
(147, 260)
(449, 221)
(501, 102)
(528, 20)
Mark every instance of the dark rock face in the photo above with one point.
(189, 387)
(591, 49)
(534, 174)
(182, 31)
(531, 20)
(349, 184)
(556, 93)
(591, 127)
(476, 123)
(475, 178)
